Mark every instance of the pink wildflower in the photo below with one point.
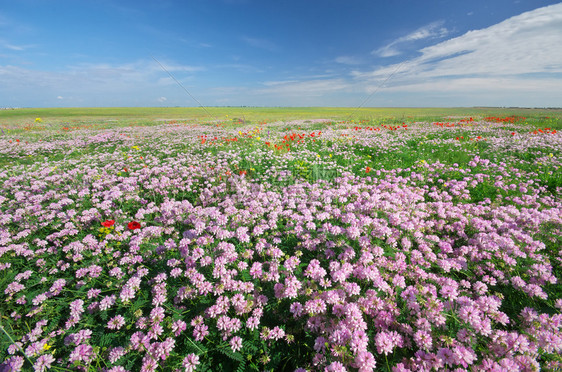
(190, 362)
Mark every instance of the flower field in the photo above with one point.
(368, 245)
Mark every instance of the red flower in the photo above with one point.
(368, 169)
(133, 225)
(108, 223)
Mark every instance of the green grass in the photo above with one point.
(255, 114)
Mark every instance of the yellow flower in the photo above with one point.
(135, 147)
(46, 347)
(38, 120)
(550, 155)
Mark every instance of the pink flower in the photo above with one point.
(235, 343)
(252, 322)
(336, 367)
(81, 353)
(200, 331)
(423, 340)
(277, 333)
(116, 353)
(190, 362)
(178, 327)
(296, 309)
(43, 363)
(365, 361)
(387, 341)
(314, 307)
(116, 322)
(76, 308)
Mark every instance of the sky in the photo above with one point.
(342, 53)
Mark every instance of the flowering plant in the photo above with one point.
(108, 223)
(133, 225)
(346, 252)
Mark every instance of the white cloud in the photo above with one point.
(14, 47)
(18, 48)
(348, 60)
(102, 83)
(521, 54)
(431, 31)
(387, 51)
(515, 62)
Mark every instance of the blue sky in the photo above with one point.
(69, 53)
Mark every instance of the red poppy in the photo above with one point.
(108, 223)
(133, 225)
(368, 169)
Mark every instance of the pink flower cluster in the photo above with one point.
(413, 267)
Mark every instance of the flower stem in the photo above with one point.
(14, 343)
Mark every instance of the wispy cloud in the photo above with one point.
(520, 54)
(431, 31)
(100, 82)
(517, 61)
(305, 87)
(18, 48)
(15, 47)
(261, 43)
(348, 60)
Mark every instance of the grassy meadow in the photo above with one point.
(280, 239)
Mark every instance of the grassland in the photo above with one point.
(169, 239)
(56, 117)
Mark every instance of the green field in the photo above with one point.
(261, 239)
(56, 118)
